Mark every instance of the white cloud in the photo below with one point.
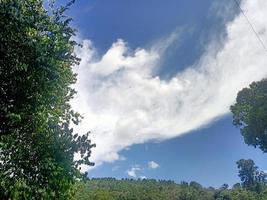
(153, 165)
(132, 171)
(124, 103)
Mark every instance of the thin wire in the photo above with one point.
(251, 25)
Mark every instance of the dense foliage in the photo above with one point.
(253, 187)
(37, 144)
(129, 189)
(250, 114)
(251, 177)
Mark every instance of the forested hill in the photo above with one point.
(146, 189)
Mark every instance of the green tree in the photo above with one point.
(237, 186)
(247, 172)
(250, 176)
(37, 143)
(250, 114)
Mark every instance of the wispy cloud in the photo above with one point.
(123, 103)
(153, 165)
(132, 171)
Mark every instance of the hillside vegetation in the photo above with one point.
(150, 189)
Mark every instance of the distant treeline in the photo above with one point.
(151, 189)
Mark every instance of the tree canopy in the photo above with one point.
(251, 177)
(250, 114)
(149, 189)
(37, 143)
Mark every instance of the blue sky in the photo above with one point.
(207, 156)
(169, 37)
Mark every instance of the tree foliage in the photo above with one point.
(252, 187)
(250, 114)
(150, 189)
(251, 177)
(37, 143)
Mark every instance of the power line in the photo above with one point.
(251, 25)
